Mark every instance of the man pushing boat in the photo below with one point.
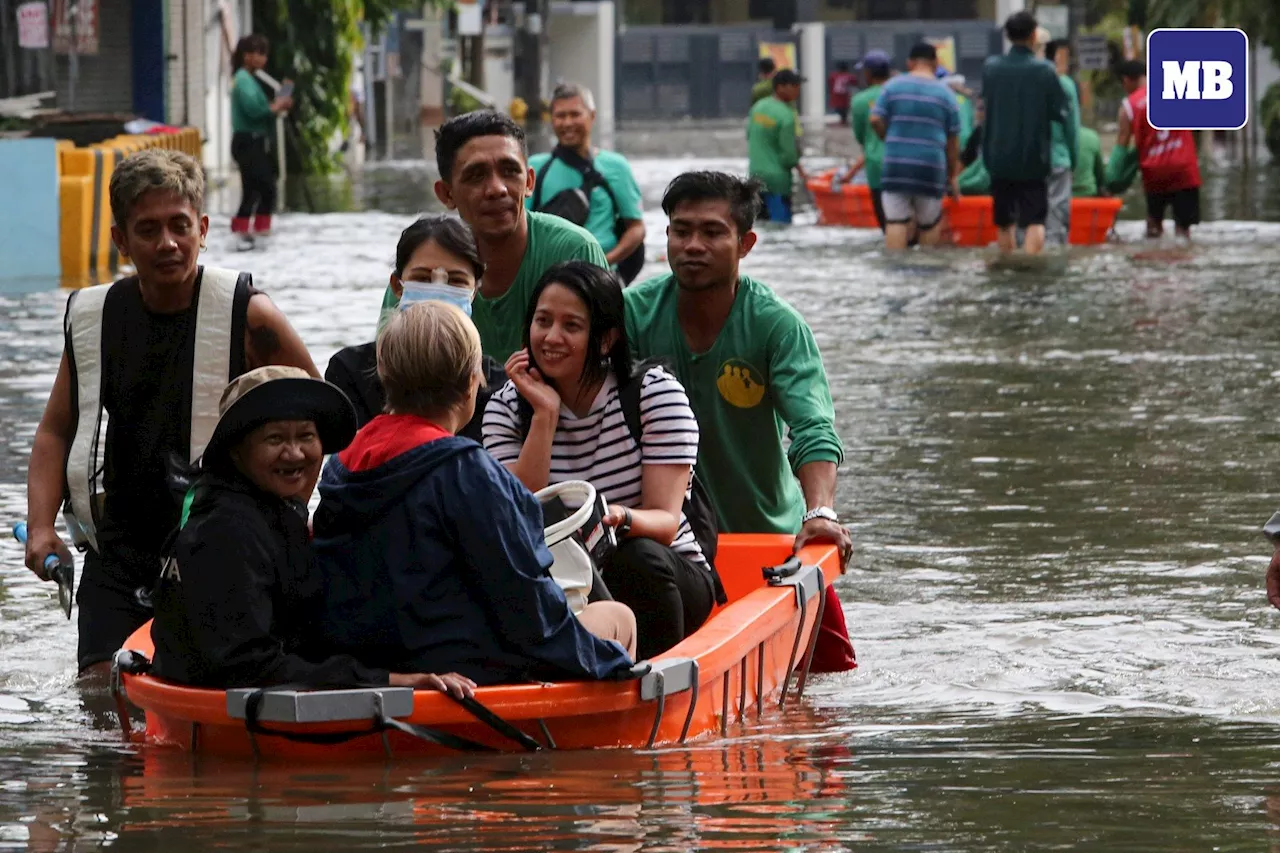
(145, 361)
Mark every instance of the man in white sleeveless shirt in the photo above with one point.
(135, 399)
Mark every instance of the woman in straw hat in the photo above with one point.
(236, 597)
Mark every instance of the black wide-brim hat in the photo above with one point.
(279, 393)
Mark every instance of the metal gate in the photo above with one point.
(103, 82)
(689, 71)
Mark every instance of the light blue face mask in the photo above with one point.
(428, 291)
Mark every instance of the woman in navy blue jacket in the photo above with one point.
(432, 551)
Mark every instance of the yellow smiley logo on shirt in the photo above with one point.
(740, 384)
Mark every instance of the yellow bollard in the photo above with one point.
(75, 197)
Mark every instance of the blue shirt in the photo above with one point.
(919, 115)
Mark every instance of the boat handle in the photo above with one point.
(133, 663)
(667, 677)
(806, 580)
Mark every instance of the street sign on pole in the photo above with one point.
(1091, 53)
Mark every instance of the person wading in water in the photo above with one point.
(151, 352)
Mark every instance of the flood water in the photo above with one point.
(1056, 479)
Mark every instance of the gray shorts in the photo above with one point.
(1057, 224)
(900, 208)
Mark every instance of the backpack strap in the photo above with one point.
(538, 179)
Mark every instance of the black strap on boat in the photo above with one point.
(499, 725)
(807, 581)
(126, 662)
(381, 723)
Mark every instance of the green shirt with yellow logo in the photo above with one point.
(761, 381)
(771, 144)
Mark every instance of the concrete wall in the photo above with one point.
(29, 248)
(214, 119)
(580, 48)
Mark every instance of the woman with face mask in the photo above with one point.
(436, 260)
(235, 602)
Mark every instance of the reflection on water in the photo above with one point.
(1056, 477)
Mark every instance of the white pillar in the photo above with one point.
(431, 81)
(606, 44)
(813, 65)
(1005, 8)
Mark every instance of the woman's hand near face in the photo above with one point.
(531, 385)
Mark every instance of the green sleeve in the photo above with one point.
(788, 156)
(1073, 129)
(626, 192)
(1122, 168)
(1064, 114)
(250, 98)
(858, 120)
(798, 385)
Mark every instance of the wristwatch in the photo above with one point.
(820, 512)
(623, 528)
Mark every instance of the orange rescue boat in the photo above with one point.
(751, 654)
(968, 217)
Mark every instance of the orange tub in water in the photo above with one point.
(969, 217)
(739, 664)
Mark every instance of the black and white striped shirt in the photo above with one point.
(599, 447)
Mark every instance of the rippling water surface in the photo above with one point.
(1056, 478)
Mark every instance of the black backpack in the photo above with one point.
(698, 508)
(575, 204)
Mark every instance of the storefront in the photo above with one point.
(110, 56)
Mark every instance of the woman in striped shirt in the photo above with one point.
(560, 417)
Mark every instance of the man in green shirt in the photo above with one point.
(752, 371)
(614, 217)
(1090, 177)
(763, 87)
(749, 364)
(1057, 225)
(1023, 99)
(485, 176)
(772, 152)
(876, 65)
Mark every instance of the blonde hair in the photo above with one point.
(427, 358)
(154, 169)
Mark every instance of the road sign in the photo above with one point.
(1091, 53)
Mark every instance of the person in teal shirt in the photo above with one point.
(615, 217)
(772, 152)
(1057, 225)
(253, 138)
(876, 66)
(754, 377)
(485, 176)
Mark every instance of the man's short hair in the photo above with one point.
(1131, 69)
(742, 194)
(767, 66)
(459, 130)
(154, 169)
(923, 50)
(1053, 46)
(568, 91)
(428, 356)
(1021, 26)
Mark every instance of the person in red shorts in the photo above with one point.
(1167, 158)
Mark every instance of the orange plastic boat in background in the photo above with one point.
(968, 217)
(751, 654)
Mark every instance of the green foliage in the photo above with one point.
(1269, 114)
(315, 43)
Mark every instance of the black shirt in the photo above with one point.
(355, 370)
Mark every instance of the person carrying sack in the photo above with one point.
(568, 179)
